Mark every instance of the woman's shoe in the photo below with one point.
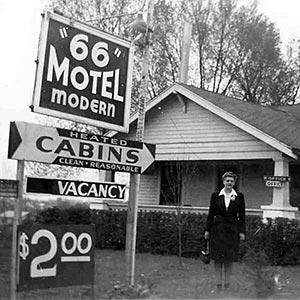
(219, 287)
(226, 286)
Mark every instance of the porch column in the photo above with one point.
(280, 206)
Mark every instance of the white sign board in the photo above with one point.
(276, 181)
(73, 148)
(83, 74)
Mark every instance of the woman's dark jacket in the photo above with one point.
(225, 225)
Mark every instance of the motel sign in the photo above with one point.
(83, 74)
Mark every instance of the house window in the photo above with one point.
(171, 184)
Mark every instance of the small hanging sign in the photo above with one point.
(276, 181)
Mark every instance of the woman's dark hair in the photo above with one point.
(229, 174)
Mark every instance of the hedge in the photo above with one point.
(157, 232)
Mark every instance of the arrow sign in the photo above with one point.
(73, 148)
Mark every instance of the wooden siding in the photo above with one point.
(149, 189)
(197, 135)
(200, 135)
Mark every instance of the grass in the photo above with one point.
(157, 277)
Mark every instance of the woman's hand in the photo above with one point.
(242, 236)
(206, 235)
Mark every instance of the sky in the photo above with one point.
(285, 14)
(19, 31)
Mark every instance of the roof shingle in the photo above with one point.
(282, 123)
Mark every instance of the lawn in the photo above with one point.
(157, 277)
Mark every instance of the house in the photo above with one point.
(200, 134)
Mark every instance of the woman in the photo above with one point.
(225, 227)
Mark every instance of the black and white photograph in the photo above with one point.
(150, 149)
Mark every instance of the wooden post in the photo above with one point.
(132, 210)
(185, 52)
(16, 221)
(131, 228)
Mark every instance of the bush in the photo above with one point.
(5, 235)
(72, 215)
(259, 273)
(110, 229)
(157, 232)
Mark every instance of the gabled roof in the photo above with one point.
(281, 123)
(293, 110)
(278, 127)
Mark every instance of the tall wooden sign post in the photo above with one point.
(135, 178)
(16, 221)
(99, 96)
(68, 47)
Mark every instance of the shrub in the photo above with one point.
(5, 235)
(157, 232)
(259, 273)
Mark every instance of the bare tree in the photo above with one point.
(239, 52)
(171, 194)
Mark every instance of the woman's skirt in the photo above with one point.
(224, 241)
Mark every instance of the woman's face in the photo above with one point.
(228, 182)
